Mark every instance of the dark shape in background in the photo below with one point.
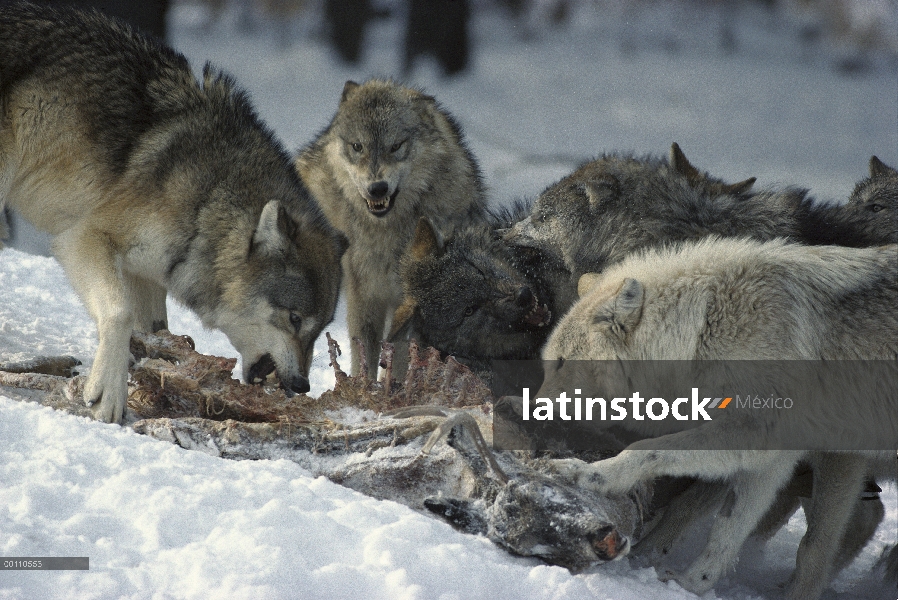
(438, 28)
(346, 21)
(147, 15)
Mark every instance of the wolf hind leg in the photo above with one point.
(148, 300)
(94, 269)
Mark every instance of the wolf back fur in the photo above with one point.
(619, 203)
(740, 299)
(151, 181)
(390, 156)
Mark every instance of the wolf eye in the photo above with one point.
(356, 147)
(295, 320)
(395, 147)
(470, 311)
(876, 207)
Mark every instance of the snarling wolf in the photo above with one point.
(741, 299)
(149, 182)
(390, 156)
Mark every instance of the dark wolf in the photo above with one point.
(473, 282)
(390, 156)
(150, 181)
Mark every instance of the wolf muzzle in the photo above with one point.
(265, 366)
(377, 200)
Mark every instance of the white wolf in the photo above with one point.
(741, 299)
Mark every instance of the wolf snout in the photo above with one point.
(378, 189)
(265, 366)
(608, 544)
(378, 197)
(537, 314)
(297, 385)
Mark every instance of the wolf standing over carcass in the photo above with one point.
(390, 156)
(732, 299)
(151, 181)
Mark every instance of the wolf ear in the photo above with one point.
(402, 319)
(597, 189)
(274, 230)
(880, 169)
(681, 164)
(426, 242)
(738, 188)
(347, 88)
(586, 282)
(624, 310)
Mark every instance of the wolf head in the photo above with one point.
(466, 297)
(874, 202)
(386, 140)
(618, 203)
(274, 306)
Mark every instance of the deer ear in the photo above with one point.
(426, 242)
(274, 229)
(586, 282)
(880, 169)
(347, 89)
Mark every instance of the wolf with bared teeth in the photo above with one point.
(390, 156)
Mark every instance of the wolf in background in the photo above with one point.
(390, 156)
(741, 299)
(150, 181)
(870, 216)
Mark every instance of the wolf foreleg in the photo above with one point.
(838, 480)
(753, 492)
(94, 268)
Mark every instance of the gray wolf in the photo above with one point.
(151, 182)
(617, 204)
(390, 156)
(470, 296)
(744, 299)
(879, 191)
(870, 216)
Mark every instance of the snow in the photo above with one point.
(158, 521)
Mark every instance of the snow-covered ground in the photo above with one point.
(161, 522)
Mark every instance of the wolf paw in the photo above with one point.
(107, 396)
(697, 581)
